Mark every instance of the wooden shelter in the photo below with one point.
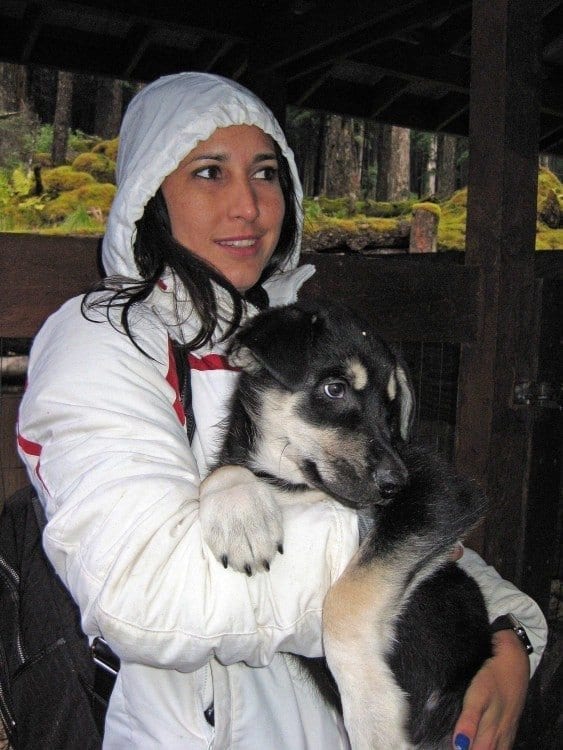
(489, 70)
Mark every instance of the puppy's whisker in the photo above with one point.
(281, 454)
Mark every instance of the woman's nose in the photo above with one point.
(243, 201)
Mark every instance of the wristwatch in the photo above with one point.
(509, 622)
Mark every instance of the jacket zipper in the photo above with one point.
(6, 715)
(12, 579)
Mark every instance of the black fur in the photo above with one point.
(442, 634)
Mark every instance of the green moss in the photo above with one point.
(549, 239)
(96, 198)
(42, 159)
(548, 181)
(350, 225)
(80, 142)
(432, 208)
(64, 179)
(80, 221)
(98, 165)
(107, 148)
(383, 209)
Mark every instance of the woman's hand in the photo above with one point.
(495, 698)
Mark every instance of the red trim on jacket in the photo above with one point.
(29, 447)
(172, 379)
(210, 362)
(32, 449)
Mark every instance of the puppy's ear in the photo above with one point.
(279, 340)
(401, 392)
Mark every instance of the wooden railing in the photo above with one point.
(414, 298)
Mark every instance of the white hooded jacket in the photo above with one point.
(102, 432)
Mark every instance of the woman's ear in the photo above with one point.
(280, 341)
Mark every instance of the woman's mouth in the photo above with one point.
(240, 246)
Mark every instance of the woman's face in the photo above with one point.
(225, 202)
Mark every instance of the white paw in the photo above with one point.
(240, 519)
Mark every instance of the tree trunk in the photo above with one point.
(399, 174)
(109, 100)
(13, 88)
(369, 159)
(342, 157)
(393, 166)
(383, 163)
(445, 165)
(319, 187)
(429, 185)
(63, 112)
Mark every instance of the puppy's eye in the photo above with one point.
(335, 389)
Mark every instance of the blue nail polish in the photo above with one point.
(461, 742)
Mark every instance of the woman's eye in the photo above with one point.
(267, 173)
(208, 173)
(336, 389)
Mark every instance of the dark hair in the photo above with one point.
(155, 249)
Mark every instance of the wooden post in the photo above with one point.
(494, 434)
(424, 228)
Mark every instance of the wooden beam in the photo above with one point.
(38, 274)
(494, 435)
(430, 298)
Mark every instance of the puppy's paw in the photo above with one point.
(240, 519)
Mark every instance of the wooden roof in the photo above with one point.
(405, 62)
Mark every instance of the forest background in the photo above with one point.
(58, 145)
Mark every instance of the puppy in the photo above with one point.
(324, 407)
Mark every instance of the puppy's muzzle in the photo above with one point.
(390, 477)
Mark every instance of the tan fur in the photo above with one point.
(287, 438)
(374, 707)
(357, 373)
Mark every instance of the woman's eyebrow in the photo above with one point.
(223, 157)
(268, 156)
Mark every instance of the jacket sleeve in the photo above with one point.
(502, 597)
(112, 464)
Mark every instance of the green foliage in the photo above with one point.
(5, 187)
(79, 142)
(44, 141)
(18, 137)
(21, 182)
(81, 221)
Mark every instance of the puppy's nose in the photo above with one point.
(388, 482)
(390, 475)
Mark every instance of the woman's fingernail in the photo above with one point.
(461, 742)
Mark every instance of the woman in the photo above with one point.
(203, 230)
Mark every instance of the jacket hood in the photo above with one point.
(163, 123)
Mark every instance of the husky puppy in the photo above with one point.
(324, 407)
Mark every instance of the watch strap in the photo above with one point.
(510, 622)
